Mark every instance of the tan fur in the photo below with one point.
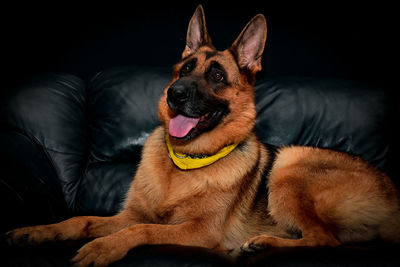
(328, 197)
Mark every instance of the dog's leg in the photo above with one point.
(72, 229)
(292, 206)
(312, 238)
(104, 250)
(314, 233)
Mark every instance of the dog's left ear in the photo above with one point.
(249, 45)
(197, 34)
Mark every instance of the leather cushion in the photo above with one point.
(329, 113)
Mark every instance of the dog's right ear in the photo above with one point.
(197, 34)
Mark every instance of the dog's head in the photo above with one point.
(210, 101)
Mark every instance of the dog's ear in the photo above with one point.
(197, 34)
(249, 45)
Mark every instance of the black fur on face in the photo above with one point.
(194, 95)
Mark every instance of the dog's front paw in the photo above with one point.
(31, 235)
(100, 252)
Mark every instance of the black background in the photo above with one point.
(82, 38)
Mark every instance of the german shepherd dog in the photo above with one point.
(206, 180)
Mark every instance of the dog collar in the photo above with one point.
(189, 162)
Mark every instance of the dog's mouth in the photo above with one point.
(186, 128)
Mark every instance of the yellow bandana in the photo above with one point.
(187, 162)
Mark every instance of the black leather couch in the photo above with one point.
(71, 147)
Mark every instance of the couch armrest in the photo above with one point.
(29, 193)
(50, 111)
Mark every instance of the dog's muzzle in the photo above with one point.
(195, 110)
(183, 98)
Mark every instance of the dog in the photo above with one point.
(206, 180)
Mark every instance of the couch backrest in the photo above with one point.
(93, 133)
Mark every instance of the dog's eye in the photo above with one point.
(188, 67)
(218, 76)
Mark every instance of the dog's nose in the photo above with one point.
(178, 93)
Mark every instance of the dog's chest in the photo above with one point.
(181, 199)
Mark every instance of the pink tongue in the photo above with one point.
(180, 126)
